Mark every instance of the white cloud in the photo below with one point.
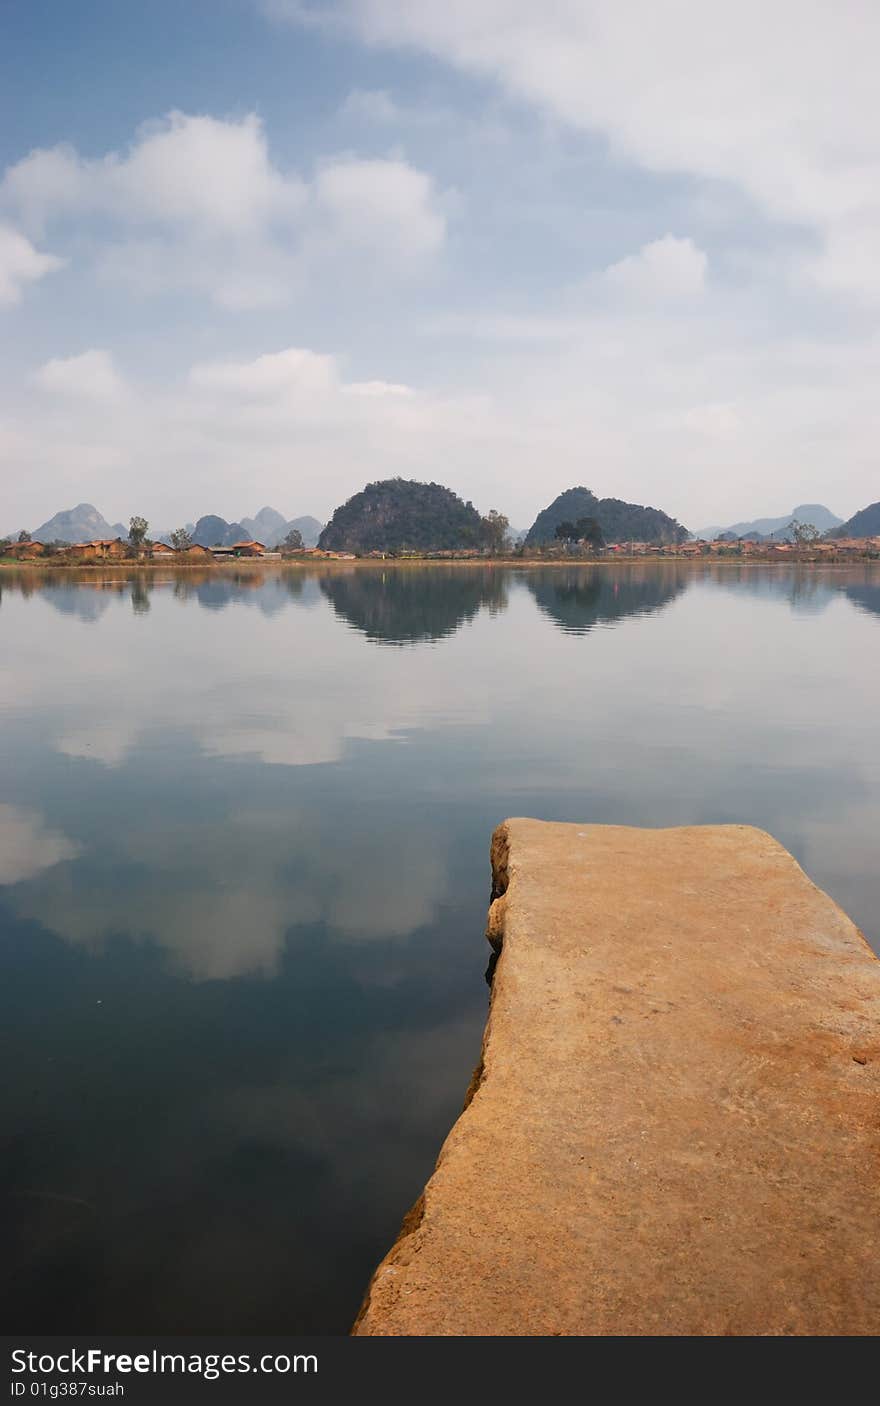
(198, 202)
(374, 389)
(781, 101)
(306, 386)
(700, 369)
(91, 375)
(387, 206)
(236, 275)
(20, 264)
(182, 170)
(289, 426)
(291, 373)
(723, 417)
(666, 268)
(300, 397)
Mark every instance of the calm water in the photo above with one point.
(244, 831)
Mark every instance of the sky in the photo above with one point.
(265, 251)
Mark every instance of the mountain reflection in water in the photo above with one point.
(578, 598)
(410, 604)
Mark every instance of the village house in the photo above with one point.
(101, 549)
(674, 549)
(725, 546)
(239, 549)
(194, 552)
(856, 546)
(628, 549)
(25, 550)
(248, 549)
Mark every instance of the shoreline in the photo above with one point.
(254, 564)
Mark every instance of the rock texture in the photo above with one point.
(675, 1126)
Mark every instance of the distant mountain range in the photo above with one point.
(268, 527)
(398, 513)
(618, 520)
(766, 527)
(865, 523)
(80, 524)
(84, 523)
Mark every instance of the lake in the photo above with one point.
(244, 871)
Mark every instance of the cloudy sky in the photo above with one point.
(262, 251)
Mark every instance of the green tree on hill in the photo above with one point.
(619, 521)
(403, 515)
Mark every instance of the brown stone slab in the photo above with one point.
(675, 1128)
